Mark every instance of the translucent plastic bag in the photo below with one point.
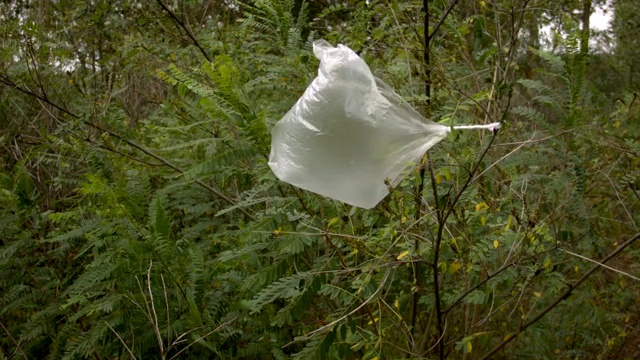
(350, 134)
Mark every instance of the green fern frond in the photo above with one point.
(242, 252)
(298, 305)
(221, 164)
(101, 306)
(338, 294)
(318, 347)
(275, 18)
(284, 288)
(78, 233)
(295, 244)
(86, 342)
(270, 274)
(556, 63)
(15, 297)
(536, 85)
(90, 282)
(529, 113)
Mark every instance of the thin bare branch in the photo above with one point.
(502, 158)
(122, 341)
(601, 264)
(450, 7)
(164, 161)
(156, 326)
(166, 302)
(338, 320)
(562, 297)
(203, 336)
(17, 344)
(187, 30)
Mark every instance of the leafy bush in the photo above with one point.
(140, 218)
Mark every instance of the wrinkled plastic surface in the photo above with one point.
(349, 133)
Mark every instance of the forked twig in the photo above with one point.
(190, 34)
(203, 336)
(17, 344)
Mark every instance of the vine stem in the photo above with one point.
(560, 298)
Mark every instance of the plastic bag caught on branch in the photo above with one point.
(350, 134)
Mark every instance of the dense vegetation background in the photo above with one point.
(139, 218)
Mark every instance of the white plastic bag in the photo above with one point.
(350, 133)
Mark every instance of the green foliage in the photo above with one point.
(140, 218)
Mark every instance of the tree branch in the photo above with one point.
(444, 17)
(418, 271)
(164, 161)
(186, 29)
(561, 297)
(17, 344)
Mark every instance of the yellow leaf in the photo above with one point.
(481, 206)
(537, 294)
(496, 244)
(577, 268)
(438, 179)
(396, 304)
(483, 220)
(506, 227)
(333, 221)
(547, 263)
(403, 254)
(455, 266)
(469, 347)
(447, 174)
